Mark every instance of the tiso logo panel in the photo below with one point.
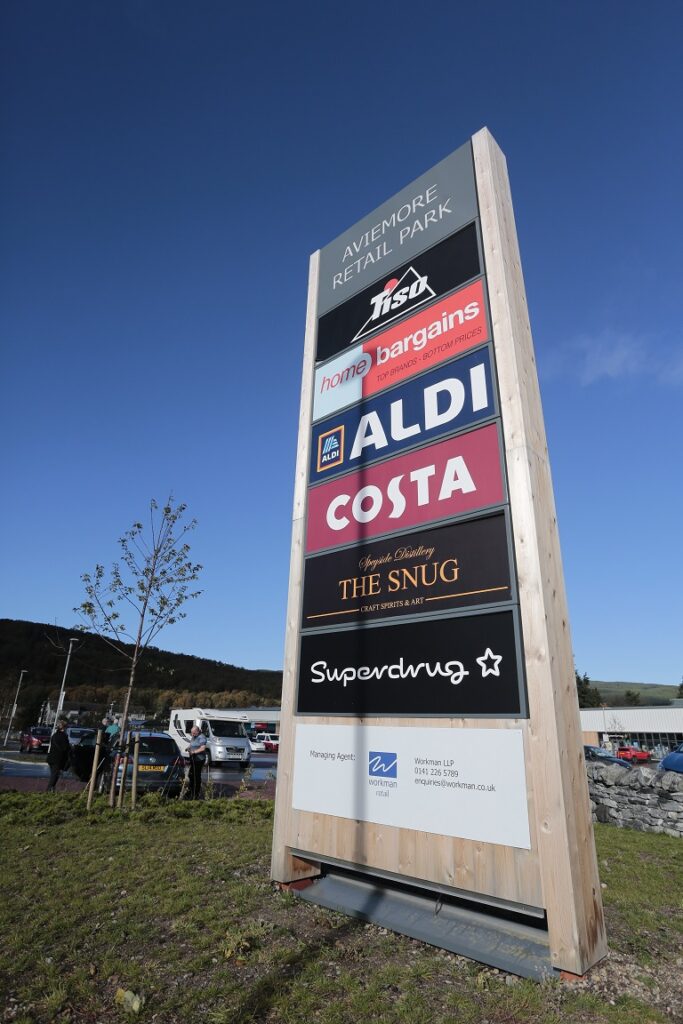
(330, 449)
(402, 290)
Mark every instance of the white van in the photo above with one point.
(225, 732)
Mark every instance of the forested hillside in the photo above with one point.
(98, 675)
(649, 694)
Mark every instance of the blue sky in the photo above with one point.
(167, 169)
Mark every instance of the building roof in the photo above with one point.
(637, 719)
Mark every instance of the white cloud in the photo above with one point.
(613, 355)
(610, 355)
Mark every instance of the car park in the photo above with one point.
(673, 762)
(597, 754)
(35, 739)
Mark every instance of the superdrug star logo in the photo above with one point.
(454, 671)
(398, 296)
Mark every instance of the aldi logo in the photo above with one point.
(331, 449)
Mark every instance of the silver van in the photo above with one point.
(225, 733)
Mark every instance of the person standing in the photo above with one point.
(197, 755)
(112, 731)
(59, 753)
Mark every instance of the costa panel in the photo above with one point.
(458, 666)
(442, 481)
(434, 273)
(436, 334)
(444, 569)
(447, 399)
(431, 207)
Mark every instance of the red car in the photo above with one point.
(627, 753)
(34, 739)
(272, 744)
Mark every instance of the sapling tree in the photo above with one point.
(145, 589)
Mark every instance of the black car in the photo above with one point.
(161, 766)
(83, 755)
(603, 756)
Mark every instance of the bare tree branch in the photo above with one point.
(155, 585)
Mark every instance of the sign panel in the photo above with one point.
(428, 780)
(421, 214)
(444, 569)
(437, 403)
(436, 334)
(409, 287)
(457, 666)
(441, 481)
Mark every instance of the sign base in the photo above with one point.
(511, 943)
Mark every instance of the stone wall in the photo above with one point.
(639, 798)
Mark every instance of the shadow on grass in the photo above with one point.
(260, 999)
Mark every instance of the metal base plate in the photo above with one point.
(508, 944)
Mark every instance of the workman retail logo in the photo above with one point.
(382, 764)
(398, 296)
(437, 333)
(446, 479)
(330, 449)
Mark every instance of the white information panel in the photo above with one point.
(467, 783)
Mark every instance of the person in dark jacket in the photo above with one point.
(59, 754)
(197, 755)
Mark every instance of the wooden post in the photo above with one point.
(134, 784)
(112, 783)
(95, 766)
(564, 832)
(122, 787)
(285, 866)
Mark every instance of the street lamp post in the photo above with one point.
(60, 702)
(14, 707)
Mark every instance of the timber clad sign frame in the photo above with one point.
(430, 731)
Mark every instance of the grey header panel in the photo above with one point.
(420, 215)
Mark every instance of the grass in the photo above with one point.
(644, 891)
(173, 904)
